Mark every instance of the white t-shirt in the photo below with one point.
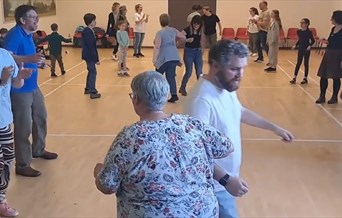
(222, 110)
(190, 16)
(253, 27)
(6, 116)
(139, 28)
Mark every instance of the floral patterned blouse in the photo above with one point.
(164, 168)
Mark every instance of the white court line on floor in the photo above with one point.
(313, 99)
(244, 139)
(310, 77)
(68, 81)
(131, 58)
(121, 85)
(45, 82)
(333, 108)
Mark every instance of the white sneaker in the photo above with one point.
(7, 211)
(254, 54)
(115, 57)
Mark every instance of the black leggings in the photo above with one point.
(324, 86)
(306, 55)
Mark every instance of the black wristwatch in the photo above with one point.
(224, 180)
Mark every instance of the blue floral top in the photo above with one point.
(164, 168)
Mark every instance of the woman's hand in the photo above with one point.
(6, 74)
(190, 39)
(97, 169)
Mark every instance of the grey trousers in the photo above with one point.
(252, 42)
(273, 55)
(30, 117)
(53, 63)
(211, 40)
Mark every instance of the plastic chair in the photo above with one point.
(241, 34)
(228, 33)
(314, 33)
(130, 33)
(291, 35)
(282, 37)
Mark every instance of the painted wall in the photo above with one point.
(44, 22)
(233, 13)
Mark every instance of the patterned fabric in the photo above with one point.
(164, 168)
(6, 159)
(122, 55)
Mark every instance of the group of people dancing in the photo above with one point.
(264, 31)
(164, 165)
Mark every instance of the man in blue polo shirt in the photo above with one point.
(27, 102)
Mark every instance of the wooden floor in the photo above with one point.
(302, 179)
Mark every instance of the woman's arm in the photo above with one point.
(156, 49)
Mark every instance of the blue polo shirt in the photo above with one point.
(21, 43)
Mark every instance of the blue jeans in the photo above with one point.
(91, 77)
(169, 68)
(138, 40)
(192, 56)
(227, 205)
(261, 44)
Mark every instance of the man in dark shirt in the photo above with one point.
(55, 46)
(210, 20)
(90, 55)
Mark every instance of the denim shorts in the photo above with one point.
(227, 205)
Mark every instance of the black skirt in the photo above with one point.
(331, 64)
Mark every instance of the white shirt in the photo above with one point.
(253, 27)
(190, 16)
(6, 116)
(222, 110)
(140, 27)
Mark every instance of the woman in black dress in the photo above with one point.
(331, 65)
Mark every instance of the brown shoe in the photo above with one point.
(27, 171)
(47, 155)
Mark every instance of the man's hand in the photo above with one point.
(24, 73)
(236, 186)
(284, 134)
(6, 73)
(97, 169)
(37, 58)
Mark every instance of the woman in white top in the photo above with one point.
(139, 29)
(253, 30)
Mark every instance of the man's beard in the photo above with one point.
(231, 85)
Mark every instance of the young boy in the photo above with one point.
(55, 45)
(9, 75)
(123, 41)
(3, 33)
(90, 55)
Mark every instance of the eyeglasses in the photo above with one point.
(131, 95)
(32, 17)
